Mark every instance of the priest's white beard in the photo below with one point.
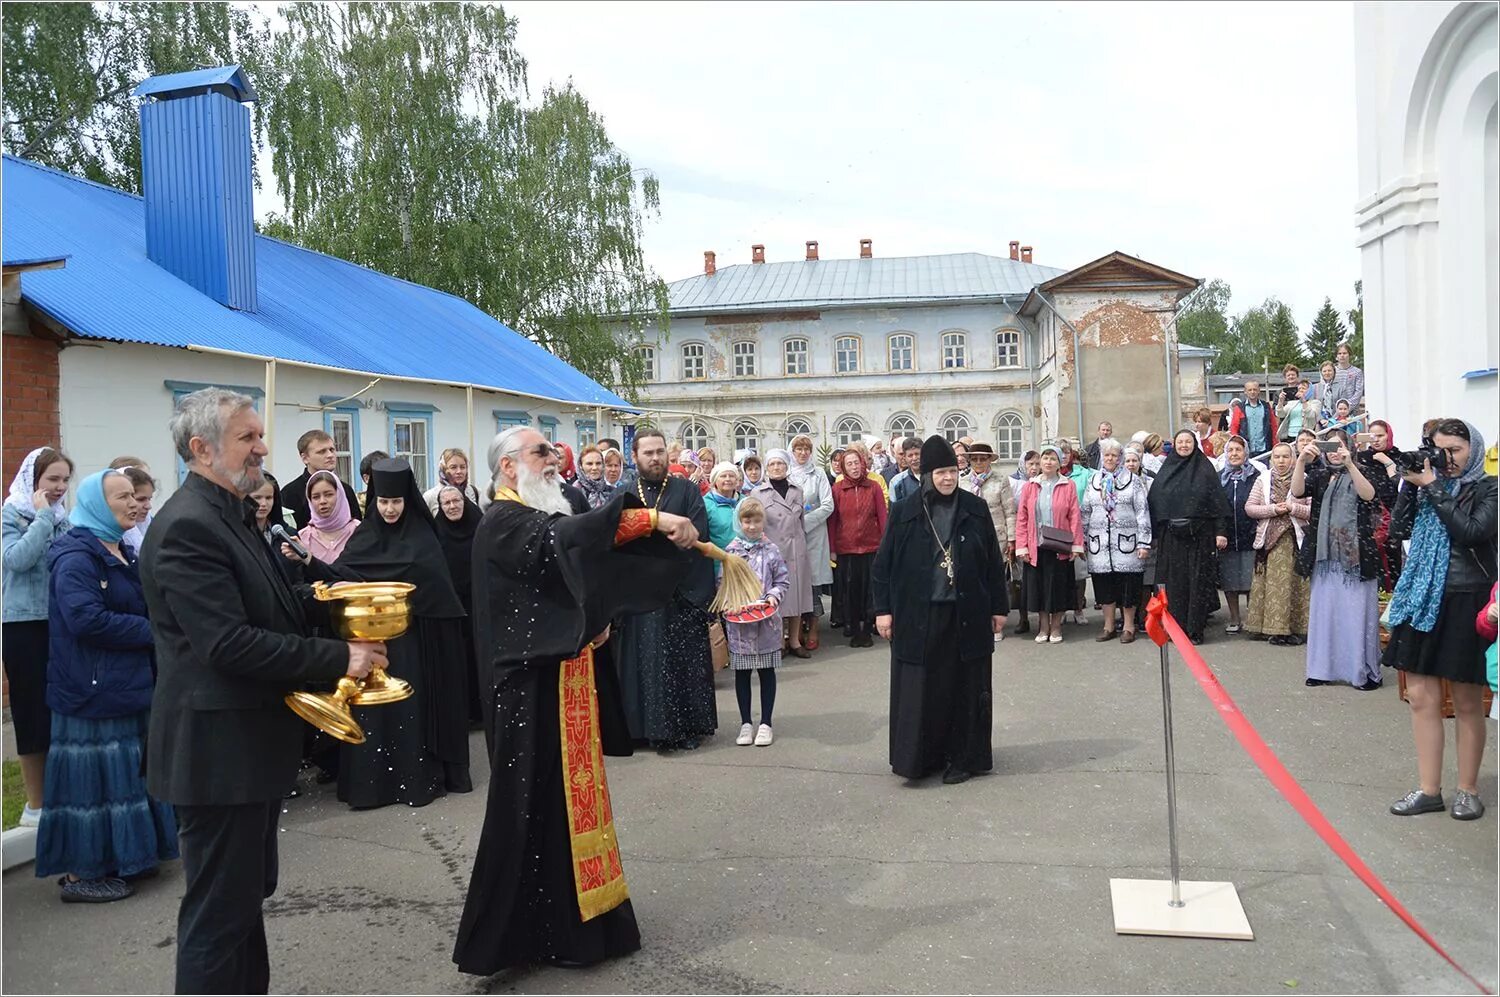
(542, 491)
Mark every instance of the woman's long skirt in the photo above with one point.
(99, 820)
(1185, 565)
(1343, 629)
(851, 585)
(1049, 584)
(1278, 595)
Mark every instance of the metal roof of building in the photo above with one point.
(230, 77)
(312, 308)
(850, 283)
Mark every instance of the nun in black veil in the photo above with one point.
(457, 521)
(417, 749)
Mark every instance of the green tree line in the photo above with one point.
(403, 137)
(1267, 336)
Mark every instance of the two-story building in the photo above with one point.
(1003, 349)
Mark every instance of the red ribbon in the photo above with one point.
(1160, 624)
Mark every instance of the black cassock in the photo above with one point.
(544, 586)
(663, 657)
(942, 643)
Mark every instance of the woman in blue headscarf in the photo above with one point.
(1448, 513)
(99, 829)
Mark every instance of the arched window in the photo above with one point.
(848, 430)
(794, 357)
(744, 358)
(693, 367)
(846, 354)
(746, 436)
(647, 356)
(955, 426)
(1010, 440)
(903, 352)
(955, 350)
(901, 423)
(694, 435)
(795, 428)
(1007, 348)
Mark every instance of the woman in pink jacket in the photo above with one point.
(1048, 501)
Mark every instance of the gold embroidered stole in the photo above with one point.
(596, 851)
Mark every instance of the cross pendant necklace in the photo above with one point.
(947, 549)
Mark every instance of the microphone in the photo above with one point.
(279, 532)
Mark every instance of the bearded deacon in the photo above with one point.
(548, 885)
(663, 657)
(940, 597)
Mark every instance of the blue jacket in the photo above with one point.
(27, 535)
(101, 661)
(1241, 527)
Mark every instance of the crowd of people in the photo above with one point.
(1308, 526)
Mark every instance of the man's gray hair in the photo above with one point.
(1110, 445)
(505, 444)
(205, 414)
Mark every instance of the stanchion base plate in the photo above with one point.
(1209, 910)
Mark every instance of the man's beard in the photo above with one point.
(653, 473)
(244, 479)
(542, 490)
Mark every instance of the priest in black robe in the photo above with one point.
(940, 597)
(548, 885)
(663, 657)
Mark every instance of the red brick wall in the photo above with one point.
(30, 399)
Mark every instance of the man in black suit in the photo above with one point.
(231, 642)
(316, 449)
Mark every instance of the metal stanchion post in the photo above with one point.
(1166, 712)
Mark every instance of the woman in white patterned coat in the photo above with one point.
(817, 506)
(784, 518)
(1117, 534)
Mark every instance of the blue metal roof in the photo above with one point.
(198, 80)
(312, 308)
(888, 280)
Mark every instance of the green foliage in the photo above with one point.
(1328, 330)
(403, 140)
(1282, 344)
(1205, 321)
(825, 456)
(14, 799)
(70, 67)
(1259, 338)
(1356, 316)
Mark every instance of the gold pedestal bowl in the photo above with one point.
(373, 611)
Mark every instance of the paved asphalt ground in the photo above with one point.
(807, 866)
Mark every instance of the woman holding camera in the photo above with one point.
(1343, 627)
(1448, 513)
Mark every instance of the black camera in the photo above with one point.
(1411, 461)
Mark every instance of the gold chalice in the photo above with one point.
(374, 611)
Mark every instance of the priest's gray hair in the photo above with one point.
(205, 414)
(505, 444)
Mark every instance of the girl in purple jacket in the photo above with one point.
(756, 647)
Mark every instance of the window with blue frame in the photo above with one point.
(342, 423)
(410, 430)
(181, 389)
(510, 418)
(548, 427)
(588, 432)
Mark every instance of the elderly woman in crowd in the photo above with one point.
(1279, 596)
(854, 530)
(614, 467)
(33, 519)
(1190, 518)
(100, 829)
(456, 523)
(817, 507)
(1340, 559)
(591, 482)
(1117, 532)
(1325, 393)
(1449, 515)
(453, 469)
(786, 513)
(1134, 462)
(1049, 536)
(1237, 561)
(721, 501)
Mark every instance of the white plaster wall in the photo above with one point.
(1426, 77)
(114, 401)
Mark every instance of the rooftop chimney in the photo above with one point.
(1025, 254)
(812, 249)
(757, 253)
(1015, 250)
(866, 249)
(708, 263)
(195, 170)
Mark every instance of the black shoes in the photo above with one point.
(1317, 682)
(1418, 802)
(954, 776)
(1370, 686)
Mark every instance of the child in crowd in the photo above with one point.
(757, 646)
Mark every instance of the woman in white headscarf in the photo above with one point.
(817, 503)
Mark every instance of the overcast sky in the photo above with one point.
(1217, 140)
